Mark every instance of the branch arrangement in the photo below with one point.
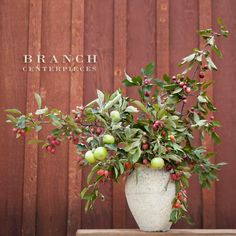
(115, 134)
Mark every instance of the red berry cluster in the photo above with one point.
(182, 84)
(176, 176)
(52, 143)
(96, 131)
(20, 132)
(105, 173)
(74, 138)
(157, 125)
(181, 197)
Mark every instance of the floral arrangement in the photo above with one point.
(114, 134)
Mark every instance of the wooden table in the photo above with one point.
(175, 232)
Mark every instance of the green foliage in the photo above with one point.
(156, 125)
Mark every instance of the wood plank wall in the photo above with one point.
(39, 194)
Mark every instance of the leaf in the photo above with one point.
(140, 105)
(166, 78)
(131, 109)
(135, 157)
(211, 64)
(177, 90)
(11, 118)
(172, 157)
(149, 69)
(38, 100)
(100, 97)
(215, 137)
(201, 99)
(41, 111)
(38, 128)
(13, 111)
(112, 102)
(36, 141)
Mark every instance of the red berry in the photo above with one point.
(75, 140)
(146, 81)
(57, 142)
(163, 133)
(14, 130)
(168, 167)
(181, 84)
(145, 161)
(173, 176)
(174, 78)
(49, 137)
(106, 173)
(172, 138)
(185, 86)
(192, 109)
(81, 163)
(185, 100)
(176, 205)
(205, 67)
(188, 90)
(53, 142)
(98, 131)
(77, 119)
(147, 94)
(212, 117)
(201, 75)
(49, 148)
(100, 172)
(145, 146)
(145, 77)
(53, 150)
(22, 132)
(128, 165)
(155, 127)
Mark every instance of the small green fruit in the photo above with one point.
(108, 139)
(115, 116)
(90, 157)
(157, 163)
(100, 153)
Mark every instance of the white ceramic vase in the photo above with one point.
(149, 194)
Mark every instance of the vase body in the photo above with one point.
(149, 194)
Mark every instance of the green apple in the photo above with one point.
(100, 153)
(108, 139)
(157, 163)
(90, 157)
(115, 116)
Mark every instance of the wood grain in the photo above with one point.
(224, 90)
(76, 99)
(120, 48)
(177, 232)
(99, 40)
(52, 195)
(31, 151)
(183, 38)
(13, 44)
(162, 38)
(141, 41)
(208, 196)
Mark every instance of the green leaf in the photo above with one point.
(41, 111)
(201, 99)
(211, 64)
(135, 157)
(215, 137)
(113, 102)
(36, 141)
(38, 128)
(140, 105)
(131, 109)
(38, 100)
(149, 69)
(11, 118)
(13, 111)
(166, 78)
(100, 97)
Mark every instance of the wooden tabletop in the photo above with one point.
(176, 232)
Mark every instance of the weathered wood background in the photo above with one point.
(39, 193)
